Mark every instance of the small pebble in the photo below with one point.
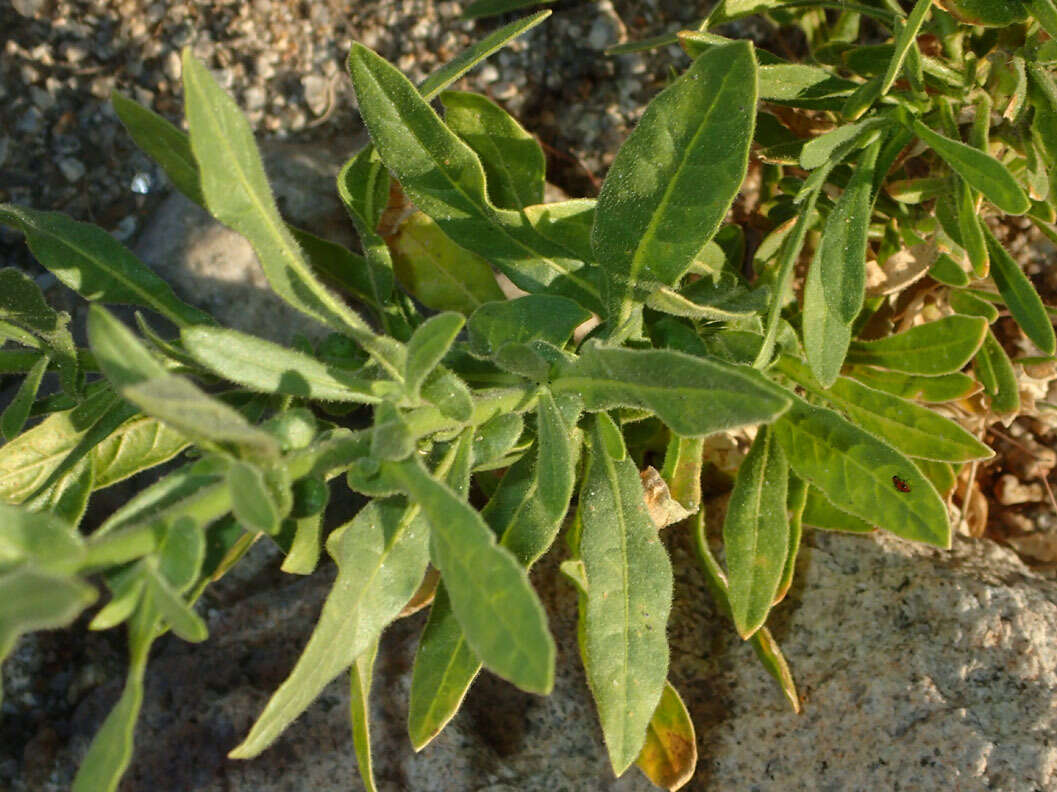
(316, 93)
(173, 66)
(72, 169)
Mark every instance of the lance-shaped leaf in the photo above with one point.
(931, 349)
(938, 389)
(498, 610)
(525, 512)
(513, 161)
(915, 430)
(428, 346)
(842, 252)
(819, 512)
(995, 372)
(444, 178)
(832, 145)
(360, 713)
(22, 305)
(669, 755)
(178, 402)
(15, 414)
(437, 272)
(762, 642)
(653, 216)
(236, 192)
(471, 56)
(32, 460)
(267, 367)
(164, 143)
(971, 229)
(826, 336)
(381, 556)
(138, 444)
(982, 171)
(857, 470)
(694, 396)
(523, 319)
(756, 533)
(624, 611)
(444, 668)
(906, 40)
(95, 265)
(111, 749)
(1020, 297)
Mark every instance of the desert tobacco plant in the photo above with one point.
(478, 428)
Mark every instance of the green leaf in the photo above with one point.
(566, 223)
(428, 346)
(266, 367)
(111, 749)
(931, 349)
(530, 504)
(965, 302)
(526, 512)
(138, 444)
(495, 438)
(444, 178)
(624, 612)
(513, 161)
(946, 270)
(763, 643)
(381, 556)
(652, 217)
(995, 372)
(842, 252)
(536, 316)
(363, 185)
(37, 600)
(447, 74)
(1046, 13)
(490, 594)
(693, 396)
(833, 145)
(236, 191)
(982, 171)
(251, 501)
(796, 498)
(905, 40)
(915, 430)
(485, 8)
(856, 470)
(66, 496)
(179, 616)
(826, 337)
(26, 317)
(437, 272)
(95, 265)
(39, 456)
(162, 142)
(669, 755)
(360, 713)
(303, 555)
(449, 394)
(820, 513)
(756, 533)
(936, 390)
(444, 668)
(1020, 297)
(15, 414)
(971, 229)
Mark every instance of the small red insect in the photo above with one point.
(900, 485)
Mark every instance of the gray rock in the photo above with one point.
(919, 669)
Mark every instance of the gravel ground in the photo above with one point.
(62, 148)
